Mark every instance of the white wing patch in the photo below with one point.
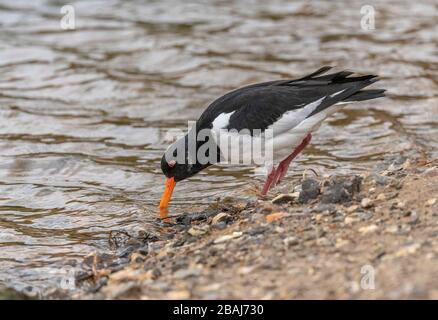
(222, 121)
(292, 118)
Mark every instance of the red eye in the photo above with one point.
(171, 163)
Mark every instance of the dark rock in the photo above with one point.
(340, 189)
(326, 208)
(309, 190)
(179, 242)
(257, 230)
(220, 225)
(380, 180)
(188, 218)
(399, 160)
(365, 215)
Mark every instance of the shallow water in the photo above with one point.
(85, 115)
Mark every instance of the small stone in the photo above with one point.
(368, 229)
(431, 172)
(186, 273)
(407, 164)
(413, 218)
(407, 250)
(137, 257)
(381, 180)
(326, 208)
(198, 231)
(400, 205)
(290, 241)
(351, 220)
(340, 189)
(341, 243)
(257, 230)
(220, 225)
(366, 203)
(279, 229)
(392, 229)
(246, 270)
(178, 295)
(228, 237)
(372, 190)
(381, 197)
(276, 216)
(431, 202)
(285, 198)
(352, 208)
(364, 215)
(323, 242)
(310, 190)
(220, 217)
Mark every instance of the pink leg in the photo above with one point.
(269, 180)
(284, 165)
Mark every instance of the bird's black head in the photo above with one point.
(178, 171)
(180, 161)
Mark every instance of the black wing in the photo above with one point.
(259, 105)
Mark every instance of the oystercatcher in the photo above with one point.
(290, 109)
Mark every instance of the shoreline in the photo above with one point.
(371, 236)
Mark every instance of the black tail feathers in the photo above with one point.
(366, 95)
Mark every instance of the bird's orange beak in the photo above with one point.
(170, 184)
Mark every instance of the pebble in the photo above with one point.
(290, 241)
(178, 295)
(326, 208)
(341, 243)
(246, 270)
(220, 217)
(368, 229)
(394, 229)
(381, 180)
(407, 250)
(352, 208)
(400, 205)
(220, 225)
(137, 257)
(364, 215)
(340, 189)
(279, 229)
(197, 231)
(351, 220)
(431, 202)
(431, 172)
(285, 198)
(413, 218)
(228, 237)
(381, 197)
(310, 190)
(257, 230)
(276, 216)
(366, 203)
(186, 273)
(323, 242)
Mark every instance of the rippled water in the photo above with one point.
(85, 114)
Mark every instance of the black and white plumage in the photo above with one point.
(292, 108)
